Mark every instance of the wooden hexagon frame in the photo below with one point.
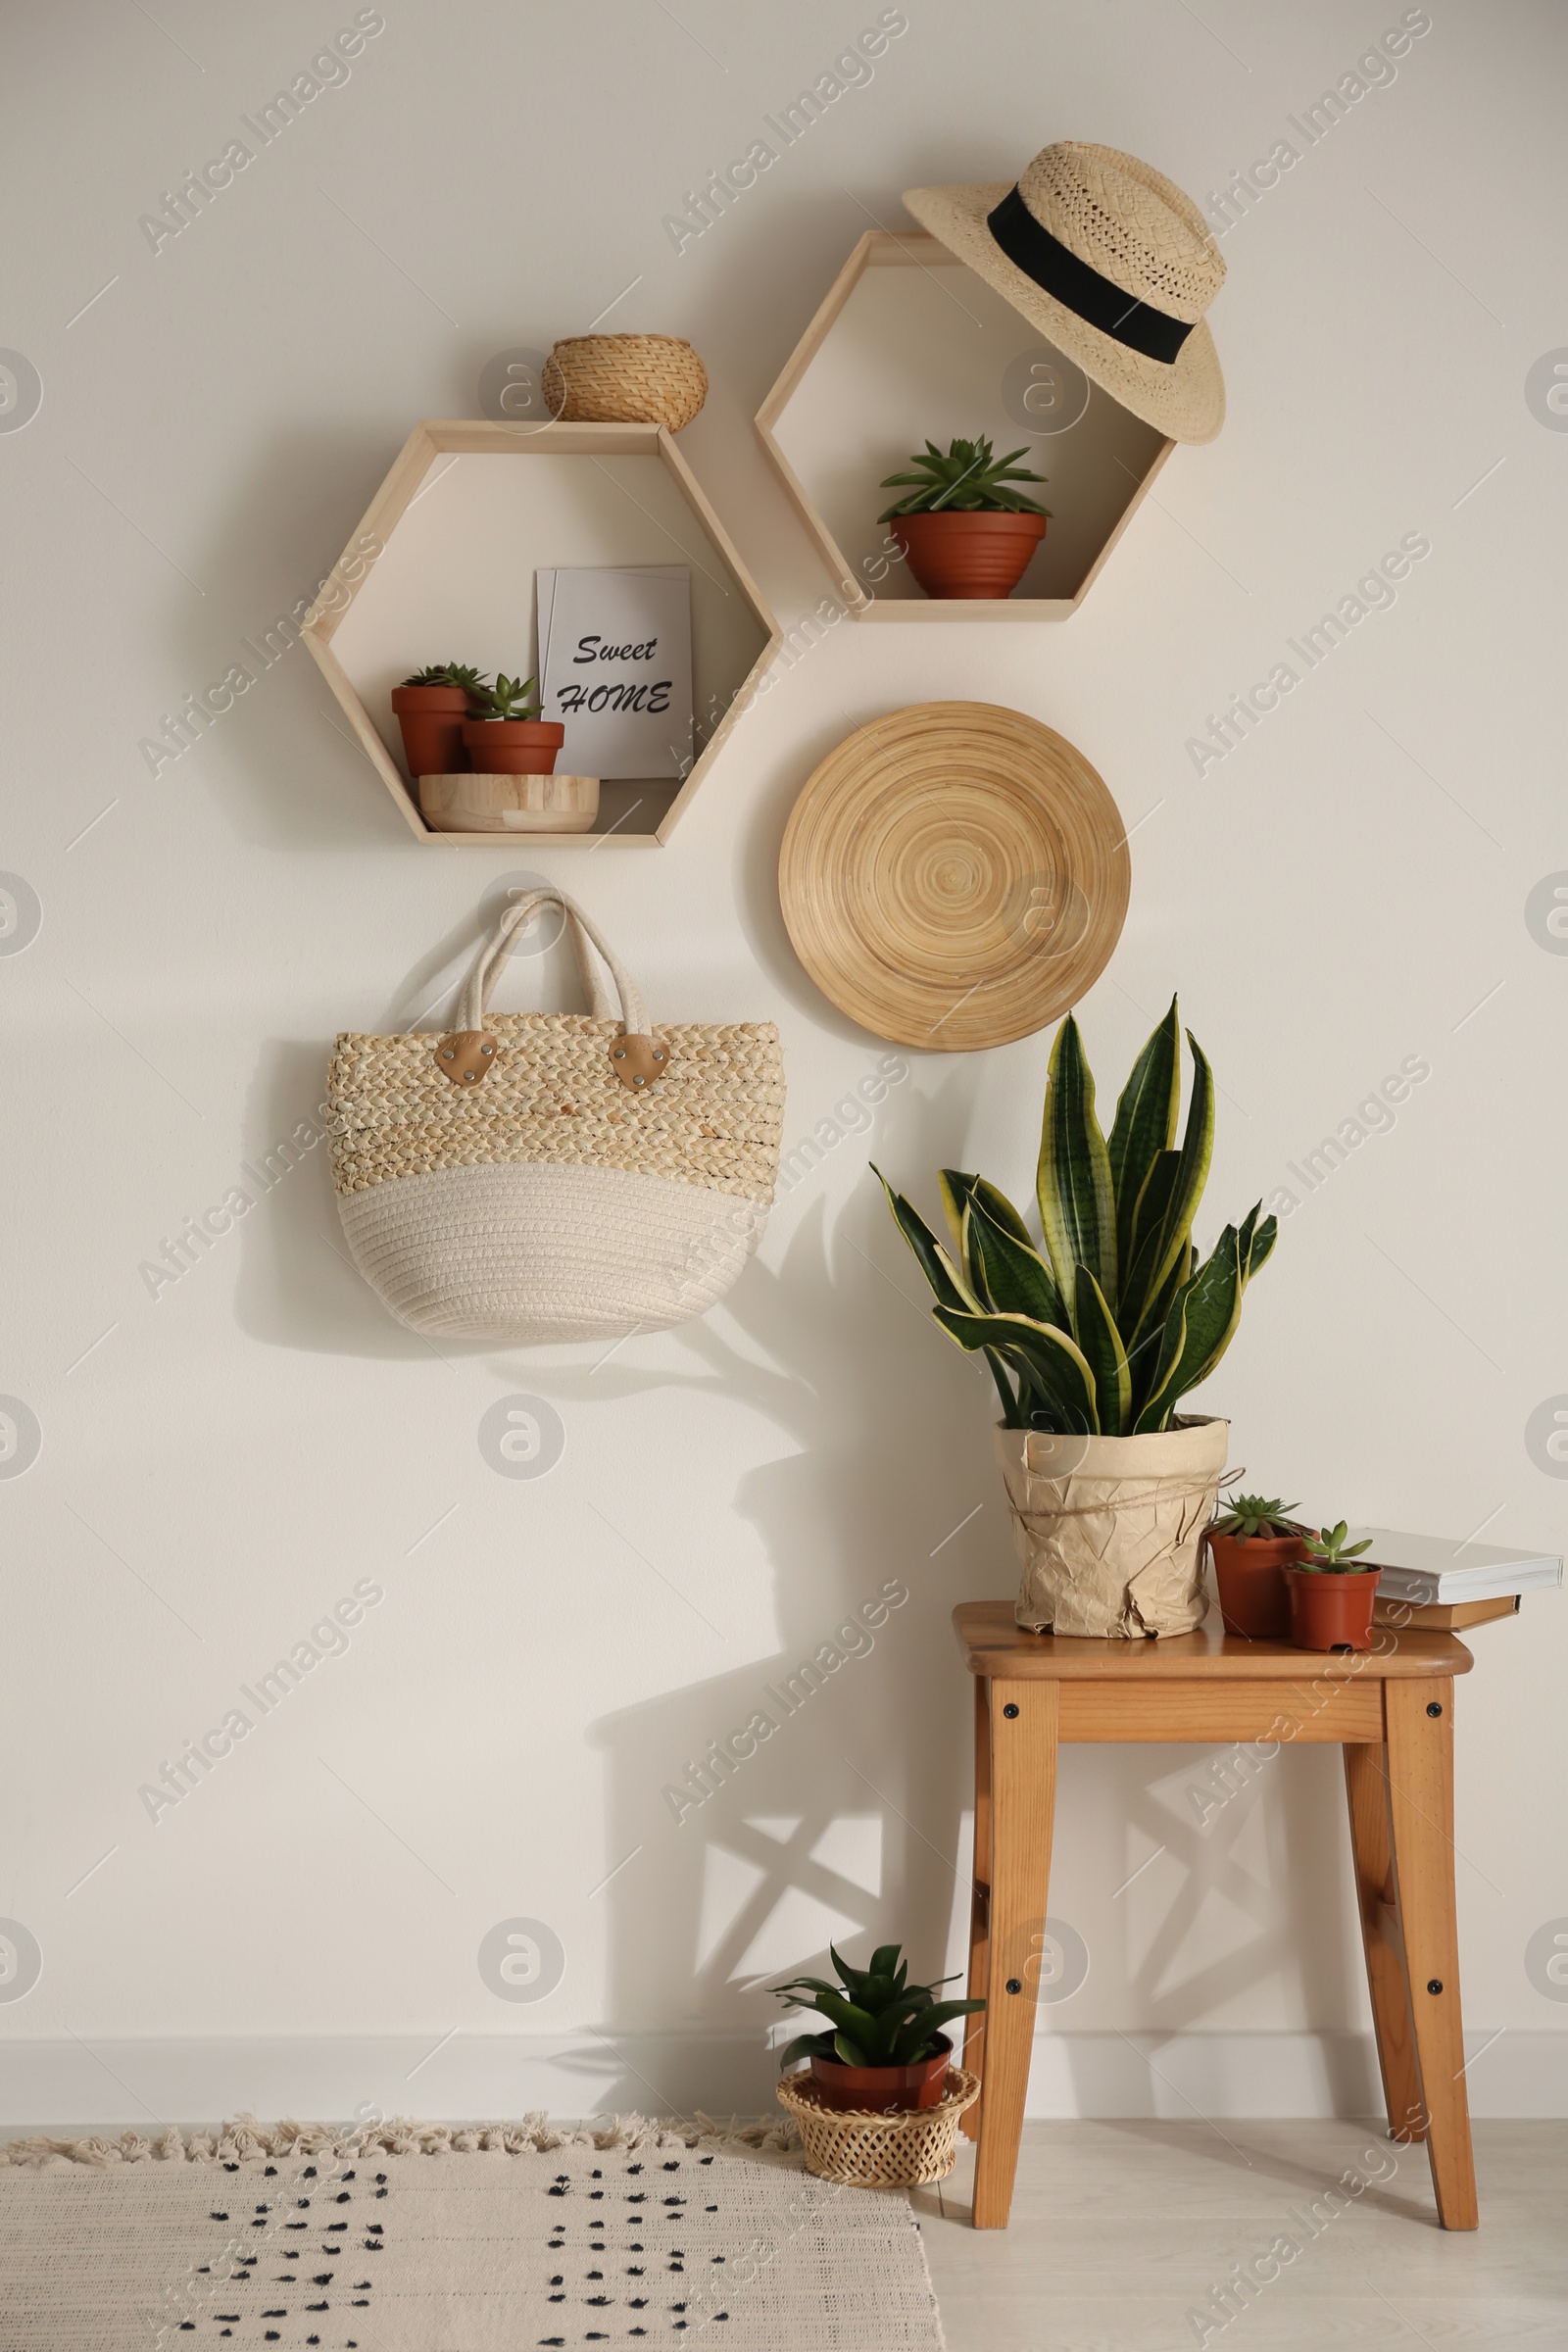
(888, 342)
(411, 475)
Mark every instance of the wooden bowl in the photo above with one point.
(476, 804)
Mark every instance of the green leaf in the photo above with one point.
(1051, 1358)
(1263, 1241)
(1174, 1231)
(850, 2051)
(914, 2040)
(1154, 1411)
(848, 2016)
(1014, 1276)
(1145, 1126)
(806, 2045)
(852, 1977)
(1077, 1207)
(932, 1258)
(1146, 1355)
(1107, 1358)
(1212, 1305)
(885, 1959)
(957, 1188)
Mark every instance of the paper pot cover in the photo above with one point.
(1108, 1530)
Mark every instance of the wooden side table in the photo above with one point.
(1393, 1712)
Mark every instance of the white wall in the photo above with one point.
(1350, 888)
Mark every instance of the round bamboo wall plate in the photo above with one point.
(955, 877)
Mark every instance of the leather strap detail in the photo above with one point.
(465, 1057)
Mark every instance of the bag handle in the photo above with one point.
(466, 1054)
(630, 1011)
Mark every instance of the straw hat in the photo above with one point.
(1112, 262)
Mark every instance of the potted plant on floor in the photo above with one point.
(1093, 1342)
(965, 530)
(509, 738)
(1249, 1545)
(1331, 1601)
(881, 2049)
(430, 709)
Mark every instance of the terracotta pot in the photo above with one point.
(1253, 1598)
(884, 2090)
(959, 556)
(513, 746)
(1331, 1612)
(432, 719)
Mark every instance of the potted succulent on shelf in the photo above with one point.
(430, 709)
(965, 530)
(1331, 1601)
(507, 737)
(881, 2049)
(1094, 1341)
(1249, 1545)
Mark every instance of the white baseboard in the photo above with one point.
(74, 2086)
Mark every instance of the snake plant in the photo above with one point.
(874, 2017)
(968, 481)
(1106, 1331)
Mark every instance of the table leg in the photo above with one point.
(979, 1900)
(1023, 1718)
(1366, 1784)
(1418, 1721)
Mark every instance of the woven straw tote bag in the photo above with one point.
(555, 1176)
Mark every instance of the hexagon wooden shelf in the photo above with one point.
(911, 346)
(442, 569)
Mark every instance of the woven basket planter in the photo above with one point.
(862, 2150)
(624, 380)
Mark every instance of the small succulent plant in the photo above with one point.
(968, 481)
(874, 2017)
(1329, 1555)
(450, 673)
(1254, 1516)
(507, 698)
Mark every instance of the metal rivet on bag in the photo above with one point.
(1432, 1707)
(1014, 1985)
(621, 1052)
(472, 1077)
(447, 1053)
(487, 1048)
(639, 1080)
(1009, 1710)
(1434, 1984)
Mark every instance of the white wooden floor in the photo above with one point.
(1122, 2232)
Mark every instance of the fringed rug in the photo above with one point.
(410, 2238)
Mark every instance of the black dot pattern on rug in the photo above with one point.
(234, 2297)
(607, 2219)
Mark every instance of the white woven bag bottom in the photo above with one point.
(530, 1251)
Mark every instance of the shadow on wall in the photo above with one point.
(746, 1862)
